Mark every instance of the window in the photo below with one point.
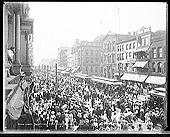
(96, 60)
(147, 41)
(118, 48)
(159, 66)
(87, 51)
(126, 55)
(154, 52)
(91, 69)
(87, 70)
(130, 46)
(129, 54)
(143, 42)
(153, 66)
(122, 56)
(133, 55)
(122, 47)
(87, 60)
(96, 69)
(160, 52)
(126, 46)
(96, 52)
(91, 52)
(91, 60)
(133, 45)
(112, 58)
(117, 56)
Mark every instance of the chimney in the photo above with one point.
(134, 33)
(77, 40)
(129, 33)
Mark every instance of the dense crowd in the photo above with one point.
(82, 105)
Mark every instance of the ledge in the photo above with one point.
(11, 79)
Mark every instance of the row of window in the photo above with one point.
(157, 53)
(87, 60)
(159, 67)
(109, 46)
(128, 47)
(91, 69)
(120, 56)
(91, 52)
(109, 58)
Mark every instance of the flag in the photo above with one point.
(15, 105)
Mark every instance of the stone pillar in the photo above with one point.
(13, 33)
(27, 67)
(17, 64)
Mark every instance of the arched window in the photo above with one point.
(159, 66)
(91, 69)
(153, 66)
(96, 69)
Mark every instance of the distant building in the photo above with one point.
(88, 57)
(109, 53)
(63, 56)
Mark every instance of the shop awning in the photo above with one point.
(117, 74)
(162, 94)
(75, 70)
(141, 49)
(102, 81)
(117, 83)
(80, 75)
(161, 89)
(106, 79)
(156, 80)
(140, 64)
(134, 77)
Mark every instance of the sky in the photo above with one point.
(61, 23)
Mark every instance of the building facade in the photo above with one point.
(63, 56)
(109, 53)
(17, 33)
(142, 51)
(125, 55)
(89, 57)
(158, 53)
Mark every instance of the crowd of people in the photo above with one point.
(77, 104)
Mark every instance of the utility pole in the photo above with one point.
(56, 75)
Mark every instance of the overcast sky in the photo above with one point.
(60, 23)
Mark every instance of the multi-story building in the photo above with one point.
(109, 53)
(62, 56)
(142, 51)
(89, 57)
(158, 53)
(17, 33)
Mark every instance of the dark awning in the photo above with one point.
(141, 49)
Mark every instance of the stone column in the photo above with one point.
(17, 38)
(13, 29)
(27, 50)
(26, 67)
(17, 64)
